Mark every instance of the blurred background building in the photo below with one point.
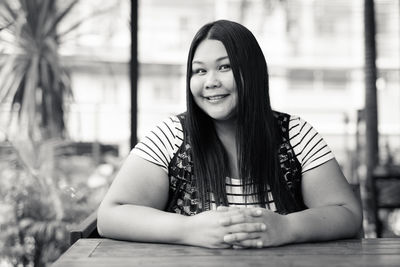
(314, 50)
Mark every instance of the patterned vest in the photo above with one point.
(183, 195)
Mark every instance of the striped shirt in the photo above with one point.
(236, 197)
(160, 145)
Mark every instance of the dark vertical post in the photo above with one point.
(371, 110)
(134, 70)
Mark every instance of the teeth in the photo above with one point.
(215, 97)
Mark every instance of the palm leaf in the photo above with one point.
(80, 22)
(45, 12)
(9, 10)
(35, 39)
(7, 25)
(10, 84)
(61, 15)
(28, 105)
(7, 68)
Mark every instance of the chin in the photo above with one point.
(221, 117)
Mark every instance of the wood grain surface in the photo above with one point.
(107, 252)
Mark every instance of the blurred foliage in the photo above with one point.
(37, 213)
(32, 77)
(45, 189)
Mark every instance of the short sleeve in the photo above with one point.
(161, 143)
(310, 148)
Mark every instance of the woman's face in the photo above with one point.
(212, 83)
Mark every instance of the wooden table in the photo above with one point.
(106, 252)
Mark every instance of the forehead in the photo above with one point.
(209, 50)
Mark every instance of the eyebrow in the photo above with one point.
(218, 59)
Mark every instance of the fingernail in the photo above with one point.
(263, 227)
(227, 238)
(259, 244)
(258, 212)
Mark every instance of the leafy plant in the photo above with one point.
(42, 196)
(32, 78)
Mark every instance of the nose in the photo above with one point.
(212, 81)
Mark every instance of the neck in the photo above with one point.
(226, 131)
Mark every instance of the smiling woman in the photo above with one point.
(230, 171)
(212, 83)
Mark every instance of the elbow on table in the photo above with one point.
(102, 220)
(356, 229)
(100, 228)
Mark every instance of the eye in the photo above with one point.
(198, 71)
(225, 67)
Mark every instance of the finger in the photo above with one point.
(237, 246)
(226, 208)
(256, 212)
(233, 219)
(222, 208)
(234, 207)
(226, 221)
(237, 237)
(224, 245)
(247, 227)
(251, 243)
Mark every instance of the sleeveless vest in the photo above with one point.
(183, 195)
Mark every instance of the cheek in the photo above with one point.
(229, 82)
(195, 86)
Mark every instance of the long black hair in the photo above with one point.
(257, 142)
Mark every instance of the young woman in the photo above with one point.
(230, 172)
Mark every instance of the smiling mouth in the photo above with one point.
(216, 97)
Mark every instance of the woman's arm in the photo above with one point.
(133, 210)
(334, 212)
(132, 207)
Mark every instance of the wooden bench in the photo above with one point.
(86, 229)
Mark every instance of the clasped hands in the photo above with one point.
(239, 228)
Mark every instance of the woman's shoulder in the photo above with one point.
(161, 143)
(286, 116)
(292, 119)
(309, 146)
(175, 121)
(170, 126)
(299, 124)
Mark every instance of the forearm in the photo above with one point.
(140, 223)
(323, 223)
